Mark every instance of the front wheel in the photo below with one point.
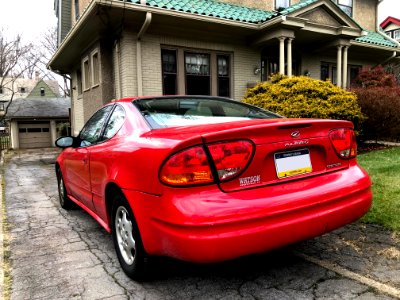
(127, 242)
(65, 202)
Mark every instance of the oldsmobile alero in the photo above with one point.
(207, 179)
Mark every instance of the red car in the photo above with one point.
(206, 179)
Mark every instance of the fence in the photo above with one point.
(4, 141)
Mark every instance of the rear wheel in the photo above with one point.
(127, 242)
(65, 202)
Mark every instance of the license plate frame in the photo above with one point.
(292, 163)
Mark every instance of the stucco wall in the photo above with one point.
(365, 13)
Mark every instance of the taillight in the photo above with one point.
(187, 167)
(191, 166)
(230, 158)
(344, 142)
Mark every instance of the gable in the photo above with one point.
(323, 13)
(39, 87)
(320, 15)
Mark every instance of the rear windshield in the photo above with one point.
(182, 111)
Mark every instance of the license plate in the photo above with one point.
(293, 163)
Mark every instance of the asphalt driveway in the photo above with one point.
(58, 254)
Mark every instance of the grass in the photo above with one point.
(384, 168)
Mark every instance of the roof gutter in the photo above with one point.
(142, 31)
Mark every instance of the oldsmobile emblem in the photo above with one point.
(295, 134)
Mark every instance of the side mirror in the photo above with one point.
(65, 142)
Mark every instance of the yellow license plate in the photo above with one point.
(292, 163)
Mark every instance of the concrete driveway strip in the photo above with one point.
(57, 254)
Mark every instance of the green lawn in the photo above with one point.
(384, 168)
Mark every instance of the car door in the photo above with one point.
(77, 160)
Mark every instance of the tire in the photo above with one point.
(65, 202)
(127, 242)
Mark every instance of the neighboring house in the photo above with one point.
(26, 88)
(38, 122)
(115, 49)
(391, 26)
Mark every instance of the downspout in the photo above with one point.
(142, 31)
(118, 68)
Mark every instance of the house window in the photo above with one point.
(1, 106)
(354, 70)
(95, 68)
(22, 89)
(396, 34)
(281, 4)
(346, 6)
(76, 9)
(169, 71)
(328, 71)
(223, 75)
(193, 72)
(86, 74)
(197, 69)
(1, 90)
(42, 92)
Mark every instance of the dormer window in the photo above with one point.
(281, 4)
(345, 5)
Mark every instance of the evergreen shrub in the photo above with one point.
(304, 97)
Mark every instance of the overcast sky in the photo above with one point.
(33, 17)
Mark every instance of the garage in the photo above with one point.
(34, 135)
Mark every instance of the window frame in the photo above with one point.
(181, 69)
(280, 7)
(340, 4)
(86, 76)
(95, 70)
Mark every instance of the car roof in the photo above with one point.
(130, 99)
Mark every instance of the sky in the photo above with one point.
(31, 18)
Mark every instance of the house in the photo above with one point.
(38, 122)
(26, 88)
(391, 26)
(120, 48)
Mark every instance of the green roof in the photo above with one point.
(213, 8)
(228, 11)
(376, 38)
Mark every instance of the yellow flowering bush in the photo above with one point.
(304, 97)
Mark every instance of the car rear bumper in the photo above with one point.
(208, 225)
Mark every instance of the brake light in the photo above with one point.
(230, 158)
(344, 142)
(187, 167)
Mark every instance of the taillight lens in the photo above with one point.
(187, 167)
(344, 142)
(230, 158)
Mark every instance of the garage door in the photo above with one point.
(35, 135)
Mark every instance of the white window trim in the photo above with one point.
(94, 52)
(85, 85)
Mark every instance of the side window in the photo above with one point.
(115, 123)
(91, 132)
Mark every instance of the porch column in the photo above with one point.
(282, 55)
(345, 49)
(289, 57)
(339, 66)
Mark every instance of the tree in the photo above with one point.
(48, 46)
(16, 58)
